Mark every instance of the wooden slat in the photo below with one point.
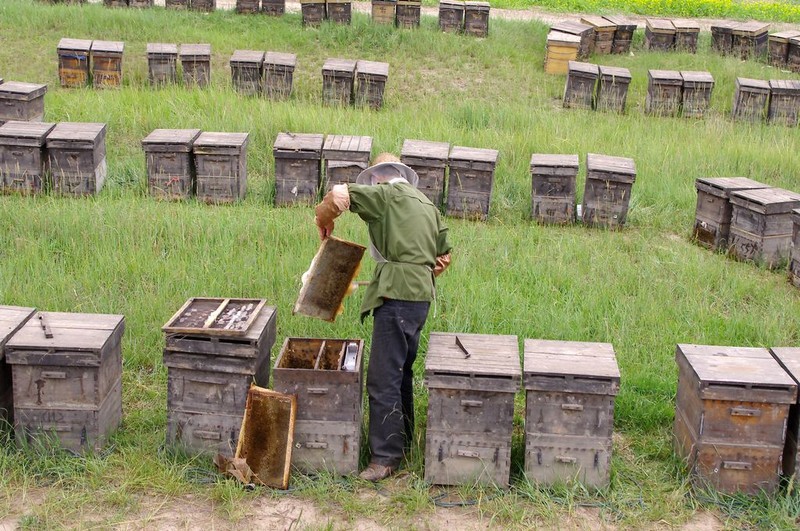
(299, 142)
(212, 139)
(372, 68)
(195, 50)
(425, 149)
(474, 154)
(789, 359)
(490, 355)
(288, 60)
(12, 318)
(747, 366)
(80, 45)
(606, 163)
(22, 90)
(247, 56)
(339, 65)
(161, 48)
(207, 329)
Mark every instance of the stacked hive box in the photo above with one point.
(784, 101)
(476, 18)
(23, 159)
(22, 101)
(76, 154)
(107, 64)
(623, 36)
(471, 381)
(789, 359)
(469, 191)
(73, 62)
(750, 99)
(313, 12)
(793, 59)
(297, 167)
(712, 221)
(561, 49)
(730, 417)
(686, 33)
(722, 37)
(451, 16)
(664, 92)
(659, 35)
(429, 160)
(210, 369)
(408, 14)
(604, 31)
(569, 411)
(553, 181)
(220, 161)
(584, 31)
(273, 8)
(337, 81)
(612, 89)
(278, 74)
(778, 47)
(609, 181)
(162, 60)
(697, 88)
(345, 157)
(384, 11)
(339, 11)
(196, 64)
(170, 167)
(372, 78)
(67, 374)
(247, 6)
(328, 386)
(794, 263)
(749, 40)
(761, 224)
(580, 86)
(12, 318)
(247, 71)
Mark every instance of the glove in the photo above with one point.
(442, 263)
(333, 204)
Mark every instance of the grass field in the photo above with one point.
(644, 289)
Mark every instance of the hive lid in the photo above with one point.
(594, 364)
(554, 161)
(724, 27)
(784, 36)
(75, 45)
(71, 333)
(108, 46)
(609, 164)
(451, 4)
(784, 85)
(788, 358)
(479, 6)
(474, 154)
(767, 200)
(723, 186)
(182, 137)
(157, 48)
(598, 22)
(583, 68)
(425, 149)
(571, 26)
(21, 90)
(751, 28)
(195, 50)
(620, 21)
(665, 76)
(686, 26)
(222, 140)
(34, 131)
(373, 68)
(562, 38)
(299, 142)
(752, 83)
(77, 132)
(692, 76)
(660, 25)
(490, 356)
(280, 58)
(247, 56)
(355, 144)
(12, 318)
(339, 65)
(616, 72)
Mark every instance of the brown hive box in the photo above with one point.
(23, 159)
(220, 161)
(248, 6)
(177, 4)
(247, 68)
(623, 36)
(612, 89)
(778, 47)
(115, 3)
(275, 8)
(722, 37)
(338, 77)
(580, 86)
(429, 160)
(345, 157)
(469, 190)
(408, 14)
(561, 49)
(203, 5)
(789, 359)
(372, 77)
(761, 225)
(784, 102)
(107, 64)
(162, 59)
(686, 34)
(476, 18)
(76, 154)
(584, 31)
(712, 221)
(730, 417)
(604, 31)
(697, 88)
(73, 62)
(794, 263)
(659, 34)
(170, 165)
(339, 11)
(297, 167)
(569, 411)
(12, 318)
(384, 11)
(313, 12)
(793, 59)
(22, 101)
(750, 40)
(278, 74)
(750, 99)
(664, 92)
(451, 16)
(553, 187)
(196, 64)
(609, 181)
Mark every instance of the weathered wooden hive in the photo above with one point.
(177, 4)
(372, 77)
(313, 12)
(793, 59)
(604, 31)
(553, 180)
(580, 86)
(22, 101)
(471, 381)
(659, 34)
(73, 62)
(429, 160)
(345, 157)
(623, 36)
(170, 164)
(115, 3)
(712, 221)
(794, 263)
(722, 37)
(220, 161)
(761, 225)
(76, 154)
(730, 417)
(789, 359)
(750, 99)
(247, 69)
(612, 89)
(570, 389)
(686, 34)
(162, 60)
(278, 74)
(23, 159)
(141, 3)
(697, 88)
(749, 40)
(107, 64)
(784, 101)
(384, 11)
(214, 349)
(476, 18)
(196, 64)
(274, 8)
(67, 374)
(609, 181)
(339, 11)
(248, 6)
(778, 47)
(408, 14)
(203, 5)
(584, 31)
(451, 16)
(664, 92)
(326, 377)
(12, 318)
(338, 77)
(561, 49)
(297, 167)
(469, 190)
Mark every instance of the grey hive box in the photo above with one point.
(115, 3)
(372, 77)
(204, 5)
(177, 4)
(73, 62)
(623, 35)
(23, 159)
(220, 161)
(338, 77)
(476, 18)
(580, 86)
(722, 37)
(22, 101)
(686, 34)
(604, 31)
(248, 6)
(12, 318)
(408, 14)
(339, 11)
(76, 154)
(664, 92)
(345, 157)
(107, 64)
(451, 16)
(298, 157)
(247, 70)
(612, 89)
(778, 47)
(162, 60)
(471, 180)
(196, 64)
(553, 188)
(274, 8)
(170, 165)
(750, 40)
(278, 74)
(793, 59)
(659, 35)
(712, 221)
(584, 31)
(761, 225)
(794, 263)
(384, 11)
(609, 181)
(750, 101)
(696, 97)
(313, 12)
(784, 101)
(789, 359)
(429, 160)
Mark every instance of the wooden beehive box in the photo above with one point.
(471, 381)
(686, 34)
(730, 417)
(609, 181)
(297, 167)
(793, 59)
(604, 31)
(553, 187)
(23, 159)
(210, 369)
(659, 34)
(203, 5)
(196, 64)
(749, 40)
(275, 8)
(697, 88)
(338, 77)
(750, 99)
(329, 401)
(372, 77)
(561, 49)
(712, 220)
(115, 3)
(569, 411)
(107, 64)
(451, 16)
(778, 47)
(12, 318)
(22, 101)
(339, 11)
(384, 11)
(476, 18)
(278, 74)
(469, 190)
(784, 101)
(429, 160)
(248, 6)
(73, 62)
(408, 14)
(761, 225)
(789, 359)
(623, 36)
(722, 37)
(170, 165)
(162, 59)
(612, 89)
(664, 92)
(313, 12)
(76, 154)
(345, 157)
(177, 4)
(220, 161)
(584, 31)
(67, 387)
(247, 68)
(580, 86)
(794, 262)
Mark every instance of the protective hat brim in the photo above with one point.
(365, 177)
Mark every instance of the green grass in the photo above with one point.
(644, 289)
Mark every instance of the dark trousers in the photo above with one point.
(395, 339)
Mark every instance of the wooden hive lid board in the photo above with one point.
(583, 68)
(281, 59)
(111, 47)
(571, 358)
(81, 134)
(665, 77)
(339, 65)
(750, 84)
(19, 90)
(621, 22)
(554, 160)
(451, 4)
(723, 186)
(558, 37)
(571, 26)
(477, 6)
(767, 200)
(751, 29)
(686, 26)
(491, 356)
(27, 133)
(724, 27)
(474, 154)
(74, 45)
(784, 36)
(12, 318)
(161, 48)
(247, 57)
(341, 145)
(789, 359)
(425, 149)
(179, 139)
(610, 164)
(615, 72)
(598, 22)
(660, 25)
(215, 139)
(195, 50)
(373, 68)
(693, 76)
(785, 86)
(299, 142)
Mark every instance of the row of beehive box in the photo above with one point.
(21, 101)
(570, 40)
(746, 40)
(132, 3)
(403, 14)
(470, 18)
(270, 7)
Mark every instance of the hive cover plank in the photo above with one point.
(597, 21)
(20, 88)
(474, 154)
(215, 316)
(280, 58)
(771, 199)
(158, 48)
(615, 72)
(751, 28)
(11, 319)
(730, 183)
(79, 45)
(748, 366)
(571, 26)
(784, 85)
(554, 160)
(689, 26)
(68, 331)
(660, 24)
(693, 76)
(607, 163)
(373, 68)
(583, 68)
(191, 50)
(665, 76)
(425, 149)
(108, 46)
(347, 143)
(183, 137)
(571, 358)
(36, 131)
(77, 131)
(339, 65)
(299, 142)
(247, 56)
(560, 37)
(789, 358)
(222, 139)
(489, 355)
(752, 83)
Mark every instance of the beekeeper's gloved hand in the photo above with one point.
(333, 204)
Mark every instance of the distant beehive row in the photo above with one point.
(665, 35)
(777, 100)
(571, 40)
(746, 40)
(82, 62)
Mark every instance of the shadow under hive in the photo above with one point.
(429, 160)
(697, 88)
(408, 14)
(451, 16)
(326, 377)
(22, 101)
(345, 157)
(313, 12)
(162, 59)
(278, 74)
(749, 40)
(569, 411)
(12, 318)
(604, 31)
(471, 381)
(561, 49)
(73, 62)
(107, 64)
(338, 77)
(339, 11)
(273, 8)
(209, 371)
(469, 190)
(196, 64)
(23, 159)
(686, 34)
(76, 154)
(623, 36)
(170, 165)
(789, 359)
(659, 35)
(612, 89)
(580, 85)
(248, 6)
(68, 386)
(584, 31)
(371, 76)
(750, 99)
(712, 221)
(297, 167)
(778, 47)
(476, 19)
(664, 92)
(553, 188)
(794, 263)
(384, 11)
(220, 161)
(247, 71)
(784, 102)
(722, 37)
(730, 416)
(761, 225)
(609, 181)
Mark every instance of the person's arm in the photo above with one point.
(333, 204)
(443, 249)
(369, 202)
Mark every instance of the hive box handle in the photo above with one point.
(737, 465)
(745, 412)
(572, 407)
(472, 403)
(566, 459)
(468, 453)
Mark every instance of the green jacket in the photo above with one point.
(407, 230)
